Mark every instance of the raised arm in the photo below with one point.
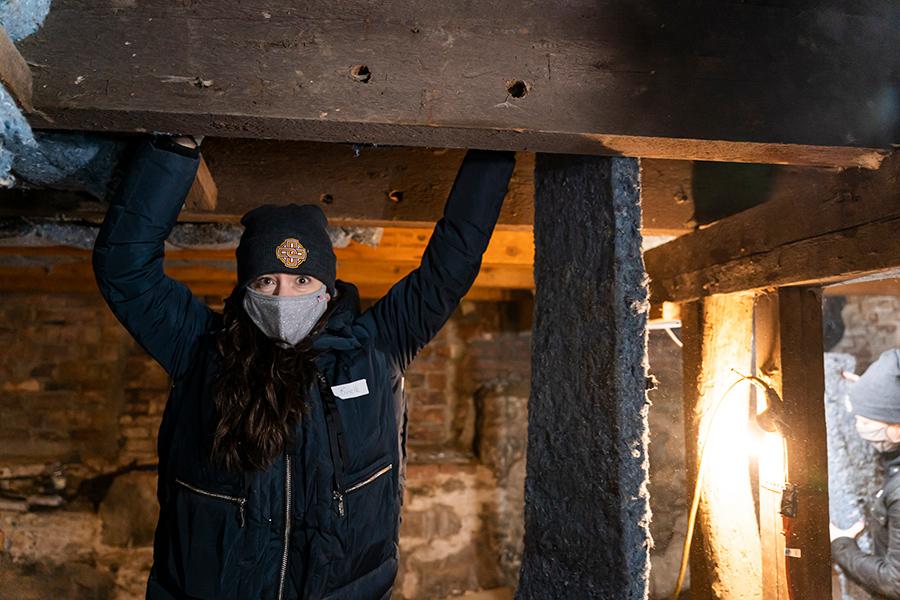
(416, 307)
(159, 312)
(877, 574)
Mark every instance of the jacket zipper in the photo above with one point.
(339, 496)
(233, 499)
(287, 524)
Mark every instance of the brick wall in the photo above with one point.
(61, 368)
(76, 389)
(871, 326)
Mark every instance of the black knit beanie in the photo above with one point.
(289, 239)
(877, 393)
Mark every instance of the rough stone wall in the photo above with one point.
(871, 326)
(668, 495)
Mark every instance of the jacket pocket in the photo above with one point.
(341, 496)
(367, 511)
(239, 502)
(209, 543)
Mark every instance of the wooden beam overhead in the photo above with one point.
(403, 186)
(14, 72)
(875, 287)
(637, 78)
(832, 228)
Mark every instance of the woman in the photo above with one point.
(876, 405)
(282, 448)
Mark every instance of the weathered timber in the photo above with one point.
(831, 228)
(883, 283)
(878, 287)
(376, 186)
(788, 341)
(14, 72)
(725, 557)
(586, 509)
(645, 78)
(204, 194)
(362, 186)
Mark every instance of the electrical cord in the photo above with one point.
(698, 484)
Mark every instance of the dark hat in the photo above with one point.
(286, 239)
(877, 393)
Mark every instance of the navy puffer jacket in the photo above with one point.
(322, 521)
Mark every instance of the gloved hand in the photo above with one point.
(851, 532)
(189, 141)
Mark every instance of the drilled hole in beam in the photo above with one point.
(360, 73)
(327, 198)
(516, 88)
(395, 196)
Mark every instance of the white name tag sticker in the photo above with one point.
(354, 389)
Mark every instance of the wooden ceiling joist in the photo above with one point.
(832, 228)
(394, 186)
(707, 81)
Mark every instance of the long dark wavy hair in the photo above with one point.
(261, 391)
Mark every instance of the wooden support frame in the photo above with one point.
(14, 72)
(725, 556)
(408, 187)
(788, 343)
(204, 193)
(395, 73)
(586, 470)
(837, 227)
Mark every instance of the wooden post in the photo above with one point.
(586, 503)
(788, 340)
(725, 560)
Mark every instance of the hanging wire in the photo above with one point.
(674, 337)
(698, 485)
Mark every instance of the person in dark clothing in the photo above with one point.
(876, 405)
(282, 447)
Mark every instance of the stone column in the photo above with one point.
(586, 505)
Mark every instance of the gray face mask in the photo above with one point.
(285, 319)
(877, 435)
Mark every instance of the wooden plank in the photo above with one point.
(506, 268)
(676, 196)
(770, 462)
(725, 558)
(789, 355)
(80, 280)
(380, 186)
(14, 72)
(875, 287)
(397, 245)
(204, 194)
(832, 228)
(649, 79)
